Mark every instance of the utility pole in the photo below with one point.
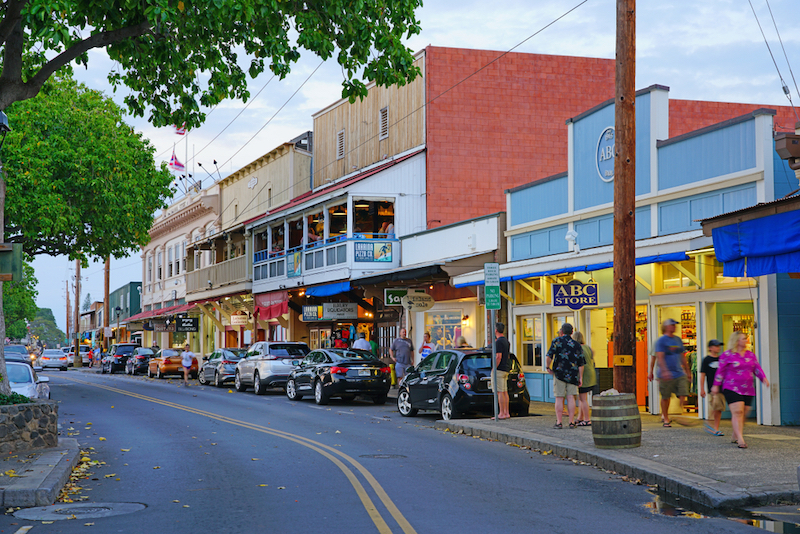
(67, 294)
(106, 304)
(624, 200)
(78, 361)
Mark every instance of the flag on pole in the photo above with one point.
(174, 164)
(180, 130)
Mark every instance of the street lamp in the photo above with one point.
(118, 311)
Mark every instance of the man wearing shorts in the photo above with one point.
(566, 357)
(672, 369)
(503, 367)
(402, 353)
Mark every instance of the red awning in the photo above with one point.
(140, 316)
(271, 305)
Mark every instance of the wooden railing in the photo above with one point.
(225, 273)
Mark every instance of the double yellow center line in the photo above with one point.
(330, 453)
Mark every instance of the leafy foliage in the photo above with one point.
(165, 47)
(87, 302)
(80, 181)
(44, 327)
(19, 302)
(14, 398)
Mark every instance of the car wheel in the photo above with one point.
(149, 372)
(447, 409)
(217, 381)
(291, 391)
(158, 373)
(237, 382)
(404, 404)
(258, 387)
(319, 394)
(201, 377)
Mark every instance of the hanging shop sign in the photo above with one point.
(392, 297)
(187, 324)
(575, 295)
(293, 269)
(239, 320)
(605, 155)
(331, 311)
(417, 302)
(162, 325)
(372, 251)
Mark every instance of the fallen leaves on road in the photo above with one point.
(111, 475)
(157, 467)
(254, 459)
(125, 450)
(176, 500)
(88, 524)
(281, 487)
(186, 506)
(102, 439)
(338, 432)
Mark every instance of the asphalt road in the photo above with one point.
(204, 459)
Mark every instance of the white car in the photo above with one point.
(53, 358)
(267, 364)
(24, 381)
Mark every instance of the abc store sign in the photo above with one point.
(575, 295)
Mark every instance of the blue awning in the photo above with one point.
(645, 260)
(766, 245)
(328, 289)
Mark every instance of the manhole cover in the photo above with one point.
(59, 511)
(382, 456)
(82, 511)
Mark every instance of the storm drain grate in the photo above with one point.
(82, 511)
(382, 456)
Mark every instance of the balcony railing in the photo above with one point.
(225, 273)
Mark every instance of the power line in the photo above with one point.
(783, 48)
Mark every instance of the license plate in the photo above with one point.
(363, 372)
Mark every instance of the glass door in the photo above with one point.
(531, 356)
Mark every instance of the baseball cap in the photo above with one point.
(715, 343)
(669, 322)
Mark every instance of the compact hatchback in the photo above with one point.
(168, 362)
(117, 357)
(220, 366)
(453, 382)
(341, 373)
(267, 364)
(138, 360)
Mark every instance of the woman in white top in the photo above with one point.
(186, 361)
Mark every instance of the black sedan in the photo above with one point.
(453, 382)
(343, 373)
(117, 357)
(138, 360)
(220, 366)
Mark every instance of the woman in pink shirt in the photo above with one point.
(735, 378)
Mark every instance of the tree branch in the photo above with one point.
(11, 78)
(98, 40)
(12, 16)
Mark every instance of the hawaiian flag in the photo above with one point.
(174, 164)
(180, 130)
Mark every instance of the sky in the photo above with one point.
(711, 50)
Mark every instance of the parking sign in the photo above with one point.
(491, 275)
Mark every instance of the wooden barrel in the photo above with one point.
(616, 423)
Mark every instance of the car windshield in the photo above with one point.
(234, 354)
(147, 352)
(354, 355)
(125, 349)
(50, 352)
(19, 374)
(84, 348)
(288, 351)
(16, 349)
(473, 362)
(171, 353)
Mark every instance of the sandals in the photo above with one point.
(584, 423)
(573, 425)
(558, 426)
(667, 424)
(742, 445)
(713, 432)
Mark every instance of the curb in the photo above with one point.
(687, 486)
(51, 471)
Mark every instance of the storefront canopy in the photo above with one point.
(757, 247)
(271, 305)
(328, 289)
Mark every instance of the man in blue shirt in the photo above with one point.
(672, 369)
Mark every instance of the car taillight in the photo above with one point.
(63, 358)
(140, 357)
(338, 370)
(385, 370)
(227, 362)
(463, 379)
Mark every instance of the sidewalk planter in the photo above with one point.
(616, 423)
(28, 426)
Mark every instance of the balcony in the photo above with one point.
(219, 279)
(336, 259)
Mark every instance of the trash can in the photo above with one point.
(616, 423)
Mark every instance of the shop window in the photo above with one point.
(444, 327)
(675, 278)
(720, 279)
(316, 228)
(337, 215)
(530, 329)
(529, 290)
(295, 233)
(373, 219)
(277, 240)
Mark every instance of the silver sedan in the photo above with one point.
(25, 381)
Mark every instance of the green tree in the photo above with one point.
(19, 302)
(87, 302)
(44, 327)
(80, 181)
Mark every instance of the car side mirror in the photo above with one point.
(295, 362)
(205, 358)
(44, 379)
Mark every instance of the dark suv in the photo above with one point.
(453, 382)
(117, 357)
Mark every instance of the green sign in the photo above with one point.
(491, 276)
(393, 297)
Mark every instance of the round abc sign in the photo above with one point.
(605, 155)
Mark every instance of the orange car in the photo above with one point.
(168, 362)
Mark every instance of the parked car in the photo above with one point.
(220, 366)
(53, 358)
(168, 362)
(117, 357)
(84, 350)
(25, 381)
(267, 364)
(22, 350)
(453, 382)
(138, 360)
(344, 373)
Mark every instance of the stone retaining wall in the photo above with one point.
(28, 426)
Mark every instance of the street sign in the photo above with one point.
(417, 302)
(392, 297)
(491, 276)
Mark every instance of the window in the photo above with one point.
(531, 341)
(675, 275)
(169, 262)
(340, 145)
(444, 327)
(183, 255)
(158, 267)
(149, 269)
(383, 123)
(269, 197)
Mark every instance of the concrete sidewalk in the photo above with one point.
(40, 474)
(684, 461)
